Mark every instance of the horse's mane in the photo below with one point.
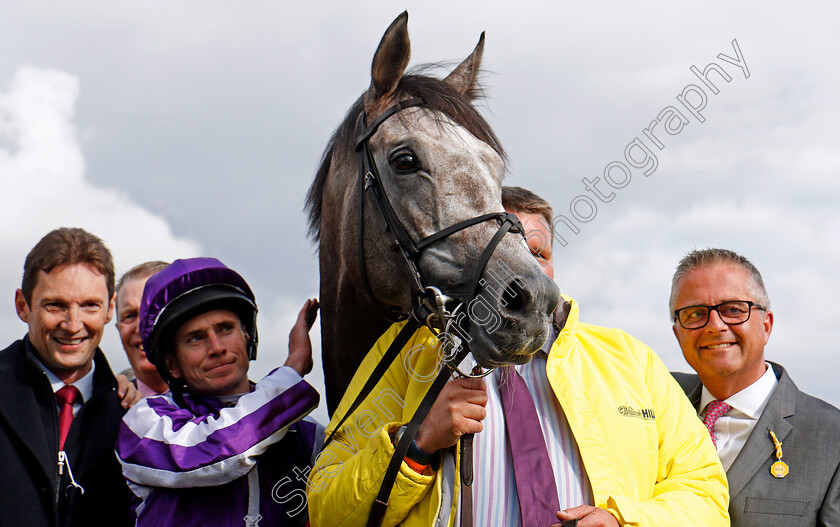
(438, 96)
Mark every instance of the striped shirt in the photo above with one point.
(495, 500)
(220, 459)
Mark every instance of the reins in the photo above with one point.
(429, 305)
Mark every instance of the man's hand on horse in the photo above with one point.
(587, 516)
(458, 410)
(300, 346)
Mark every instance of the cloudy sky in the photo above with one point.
(176, 129)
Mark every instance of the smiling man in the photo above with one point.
(129, 293)
(218, 449)
(777, 444)
(59, 408)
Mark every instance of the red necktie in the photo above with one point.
(535, 485)
(66, 396)
(714, 411)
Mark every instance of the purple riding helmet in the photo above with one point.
(183, 290)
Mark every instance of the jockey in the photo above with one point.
(218, 449)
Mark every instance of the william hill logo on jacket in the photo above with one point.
(644, 413)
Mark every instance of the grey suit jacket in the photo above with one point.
(809, 430)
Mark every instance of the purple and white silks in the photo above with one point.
(163, 447)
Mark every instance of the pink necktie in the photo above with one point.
(66, 396)
(535, 485)
(714, 411)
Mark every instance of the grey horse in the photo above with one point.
(439, 164)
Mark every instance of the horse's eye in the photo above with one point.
(404, 162)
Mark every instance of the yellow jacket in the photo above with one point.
(649, 460)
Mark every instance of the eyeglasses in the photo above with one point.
(732, 313)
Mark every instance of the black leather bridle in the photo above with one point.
(422, 292)
(429, 303)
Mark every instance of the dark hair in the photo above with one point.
(714, 256)
(67, 246)
(437, 95)
(518, 199)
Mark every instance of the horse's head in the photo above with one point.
(439, 163)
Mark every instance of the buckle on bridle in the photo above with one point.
(439, 316)
(440, 321)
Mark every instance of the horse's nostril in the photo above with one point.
(514, 297)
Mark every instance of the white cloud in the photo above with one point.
(42, 170)
(249, 95)
(622, 269)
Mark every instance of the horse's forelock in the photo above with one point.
(438, 96)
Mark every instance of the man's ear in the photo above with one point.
(768, 325)
(21, 306)
(111, 306)
(172, 366)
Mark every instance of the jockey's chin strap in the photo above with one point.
(441, 320)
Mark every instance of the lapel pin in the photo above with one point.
(779, 469)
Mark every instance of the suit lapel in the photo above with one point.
(19, 406)
(759, 445)
(695, 394)
(691, 385)
(97, 413)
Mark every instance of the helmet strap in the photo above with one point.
(253, 340)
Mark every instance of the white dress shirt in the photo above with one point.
(733, 428)
(495, 500)
(84, 385)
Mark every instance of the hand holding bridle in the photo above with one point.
(458, 410)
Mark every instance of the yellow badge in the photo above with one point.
(779, 469)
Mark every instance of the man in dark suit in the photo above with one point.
(59, 404)
(780, 447)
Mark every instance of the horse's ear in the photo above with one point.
(464, 77)
(391, 59)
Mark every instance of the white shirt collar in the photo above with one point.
(751, 400)
(84, 385)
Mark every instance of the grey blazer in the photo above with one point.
(809, 430)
